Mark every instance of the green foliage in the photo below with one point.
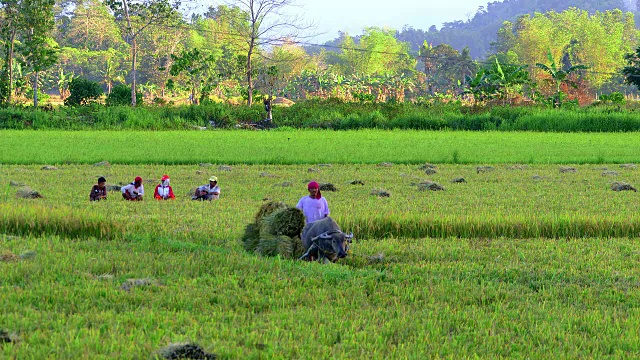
(197, 67)
(499, 81)
(121, 95)
(559, 76)
(632, 70)
(82, 92)
(613, 98)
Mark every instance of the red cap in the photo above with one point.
(138, 179)
(313, 185)
(164, 177)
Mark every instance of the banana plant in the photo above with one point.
(559, 76)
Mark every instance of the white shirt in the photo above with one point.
(313, 209)
(132, 190)
(210, 190)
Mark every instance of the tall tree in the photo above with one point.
(39, 49)
(265, 23)
(135, 17)
(9, 25)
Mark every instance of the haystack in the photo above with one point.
(184, 351)
(276, 231)
(269, 208)
(328, 187)
(621, 186)
(27, 193)
(288, 221)
(251, 237)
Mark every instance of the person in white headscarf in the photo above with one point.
(164, 190)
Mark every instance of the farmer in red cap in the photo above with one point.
(164, 190)
(133, 191)
(314, 206)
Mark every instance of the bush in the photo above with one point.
(121, 95)
(83, 92)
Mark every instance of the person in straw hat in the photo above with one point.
(208, 192)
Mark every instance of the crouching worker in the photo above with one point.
(99, 192)
(208, 192)
(133, 191)
(164, 190)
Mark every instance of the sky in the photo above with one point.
(352, 16)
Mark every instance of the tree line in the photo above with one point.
(236, 53)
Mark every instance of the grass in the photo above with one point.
(459, 273)
(313, 147)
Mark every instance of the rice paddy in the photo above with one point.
(519, 260)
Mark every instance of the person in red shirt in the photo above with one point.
(164, 190)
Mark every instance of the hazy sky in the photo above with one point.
(332, 16)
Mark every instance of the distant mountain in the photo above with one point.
(480, 31)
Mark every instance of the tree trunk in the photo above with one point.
(10, 64)
(35, 90)
(134, 58)
(250, 75)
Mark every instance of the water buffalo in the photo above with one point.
(323, 240)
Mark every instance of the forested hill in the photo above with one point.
(480, 31)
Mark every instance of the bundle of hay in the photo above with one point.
(288, 221)
(269, 208)
(459, 180)
(427, 166)
(276, 231)
(430, 185)
(568, 169)
(27, 193)
(357, 182)
(328, 187)
(7, 337)
(184, 351)
(114, 187)
(621, 186)
(483, 169)
(430, 171)
(102, 163)
(131, 283)
(380, 193)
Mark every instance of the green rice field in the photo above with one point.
(534, 257)
(316, 146)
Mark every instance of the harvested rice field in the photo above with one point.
(483, 259)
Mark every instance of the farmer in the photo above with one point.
(208, 192)
(99, 192)
(133, 191)
(163, 190)
(314, 206)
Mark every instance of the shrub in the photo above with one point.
(121, 95)
(83, 92)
